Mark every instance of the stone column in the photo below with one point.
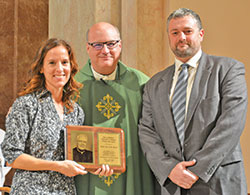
(144, 35)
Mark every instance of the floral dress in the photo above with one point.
(33, 127)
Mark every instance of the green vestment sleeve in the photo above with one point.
(116, 104)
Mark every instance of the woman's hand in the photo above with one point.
(70, 168)
(67, 167)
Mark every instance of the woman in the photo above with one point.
(35, 126)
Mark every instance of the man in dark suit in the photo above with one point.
(80, 153)
(197, 152)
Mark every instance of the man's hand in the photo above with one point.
(104, 171)
(183, 177)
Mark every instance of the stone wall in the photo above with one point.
(23, 26)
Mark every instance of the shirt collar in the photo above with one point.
(99, 76)
(193, 62)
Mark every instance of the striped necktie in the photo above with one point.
(179, 102)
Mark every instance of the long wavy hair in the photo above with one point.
(36, 81)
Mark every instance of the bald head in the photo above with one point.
(82, 141)
(104, 60)
(81, 137)
(100, 28)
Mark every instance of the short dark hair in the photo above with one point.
(179, 13)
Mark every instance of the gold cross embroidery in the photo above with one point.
(108, 106)
(110, 179)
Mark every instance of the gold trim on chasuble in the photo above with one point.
(109, 108)
(110, 179)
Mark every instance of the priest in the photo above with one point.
(111, 97)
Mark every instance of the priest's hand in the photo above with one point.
(104, 171)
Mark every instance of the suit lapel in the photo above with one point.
(201, 78)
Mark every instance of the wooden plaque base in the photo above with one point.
(94, 146)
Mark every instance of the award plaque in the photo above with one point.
(94, 146)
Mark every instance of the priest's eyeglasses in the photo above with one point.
(100, 45)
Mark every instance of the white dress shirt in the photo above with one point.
(193, 65)
(99, 76)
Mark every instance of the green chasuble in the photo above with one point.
(116, 104)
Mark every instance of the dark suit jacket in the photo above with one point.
(215, 120)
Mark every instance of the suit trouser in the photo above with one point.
(184, 191)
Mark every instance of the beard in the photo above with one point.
(189, 52)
